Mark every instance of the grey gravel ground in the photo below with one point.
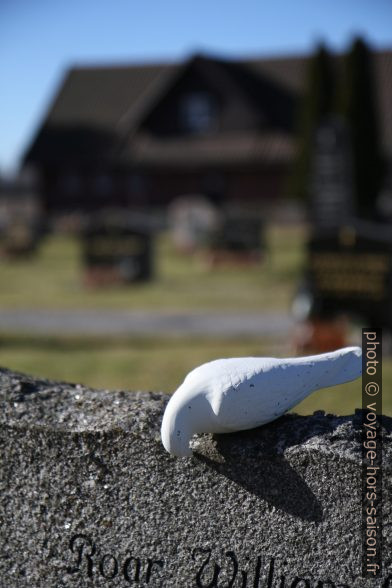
(89, 497)
(98, 322)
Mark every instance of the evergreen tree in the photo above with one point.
(358, 105)
(316, 105)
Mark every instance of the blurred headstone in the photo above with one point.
(238, 240)
(349, 261)
(192, 219)
(350, 271)
(116, 250)
(20, 236)
(331, 184)
(21, 217)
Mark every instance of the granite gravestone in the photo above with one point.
(89, 497)
(116, 250)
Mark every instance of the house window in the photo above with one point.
(103, 184)
(197, 112)
(137, 184)
(71, 184)
(137, 189)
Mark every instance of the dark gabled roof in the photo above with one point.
(86, 115)
(289, 71)
(271, 101)
(100, 96)
(99, 109)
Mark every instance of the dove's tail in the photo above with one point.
(338, 367)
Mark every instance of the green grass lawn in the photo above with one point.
(159, 364)
(53, 279)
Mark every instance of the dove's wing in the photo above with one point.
(252, 391)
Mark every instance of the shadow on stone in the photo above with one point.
(254, 459)
(266, 475)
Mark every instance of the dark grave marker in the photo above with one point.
(20, 237)
(115, 250)
(350, 271)
(238, 238)
(89, 497)
(349, 261)
(331, 183)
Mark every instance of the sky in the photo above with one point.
(40, 39)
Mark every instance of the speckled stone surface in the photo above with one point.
(89, 497)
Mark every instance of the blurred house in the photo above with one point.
(143, 135)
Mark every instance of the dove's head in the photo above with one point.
(188, 412)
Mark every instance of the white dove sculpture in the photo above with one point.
(228, 395)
